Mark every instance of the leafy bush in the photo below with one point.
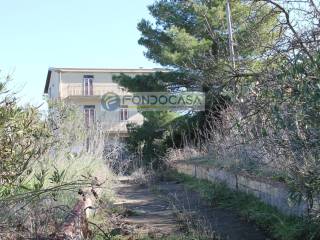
(45, 165)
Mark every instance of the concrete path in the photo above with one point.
(149, 214)
(154, 212)
(225, 222)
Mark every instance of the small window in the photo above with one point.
(123, 114)
(88, 85)
(89, 114)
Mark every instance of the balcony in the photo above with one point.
(77, 90)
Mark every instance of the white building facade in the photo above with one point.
(84, 88)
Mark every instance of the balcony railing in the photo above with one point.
(98, 90)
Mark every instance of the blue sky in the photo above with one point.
(38, 34)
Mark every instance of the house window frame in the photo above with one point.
(123, 113)
(91, 117)
(88, 85)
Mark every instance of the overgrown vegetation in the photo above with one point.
(176, 238)
(267, 218)
(262, 114)
(262, 110)
(44, 166)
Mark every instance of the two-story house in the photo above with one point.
(84, 88)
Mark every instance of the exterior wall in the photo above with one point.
(54, 86)
(272, 193)
(108, 120)
(68, 86)
(72, 84)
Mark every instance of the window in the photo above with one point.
(89, 114)
(123, 114)
(88, 85)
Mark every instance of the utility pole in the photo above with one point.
(231, 43)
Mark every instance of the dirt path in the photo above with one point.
(155, 212)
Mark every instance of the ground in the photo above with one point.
(169, 209)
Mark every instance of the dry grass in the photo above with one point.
(56, 181)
